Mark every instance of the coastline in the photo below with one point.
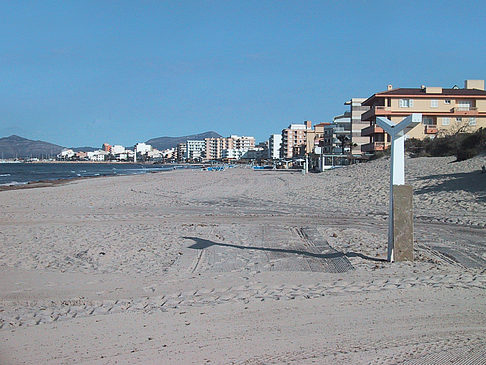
(59, 181)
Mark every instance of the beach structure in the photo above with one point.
(400, 220)
(444, 111)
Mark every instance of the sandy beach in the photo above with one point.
(244, 267)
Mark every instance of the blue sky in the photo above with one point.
(79, 73)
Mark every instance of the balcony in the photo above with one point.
(374, 146)
(465, 110)
(431, 129)
(372, 129)
(341, 130)
(374, 111)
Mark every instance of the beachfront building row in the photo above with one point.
(96, 156)
(221, 148)
(144, 152)
(299, 140)
(444, 111)
(215, 147)
(341, 136)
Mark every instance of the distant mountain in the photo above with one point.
(15, 146)
(162, 143)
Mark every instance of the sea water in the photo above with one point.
(23, 173)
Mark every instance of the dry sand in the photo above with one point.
(246, 267)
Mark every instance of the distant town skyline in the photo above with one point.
(85, 73)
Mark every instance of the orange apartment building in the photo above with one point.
(443, 111)
(294, 139)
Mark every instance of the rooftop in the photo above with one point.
(477, 91)
(422, 91)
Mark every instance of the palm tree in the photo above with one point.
(344, 141)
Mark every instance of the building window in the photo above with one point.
(458, 119)
(406, 103)
(447, 101)
(428, 121)
(472, 121)
(446, 121)
(434, 103)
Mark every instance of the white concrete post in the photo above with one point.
(397, 163)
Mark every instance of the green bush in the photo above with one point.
(461, 145)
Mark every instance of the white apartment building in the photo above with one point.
(117, 149)
(234, 153)
(66, 154)
(195, 149)
(274, 144)
(154, 154)
(142, 148)
(98, 155)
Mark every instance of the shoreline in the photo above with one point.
(100, 162)
(56, 182)
(60, 181)
(48, 183)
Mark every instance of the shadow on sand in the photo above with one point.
(201, 244)
(472, 182)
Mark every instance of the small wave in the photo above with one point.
(3, 175)
(13, 183)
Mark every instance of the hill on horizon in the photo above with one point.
(162, 143)
(19, 147)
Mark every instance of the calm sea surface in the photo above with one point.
(22, 173)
